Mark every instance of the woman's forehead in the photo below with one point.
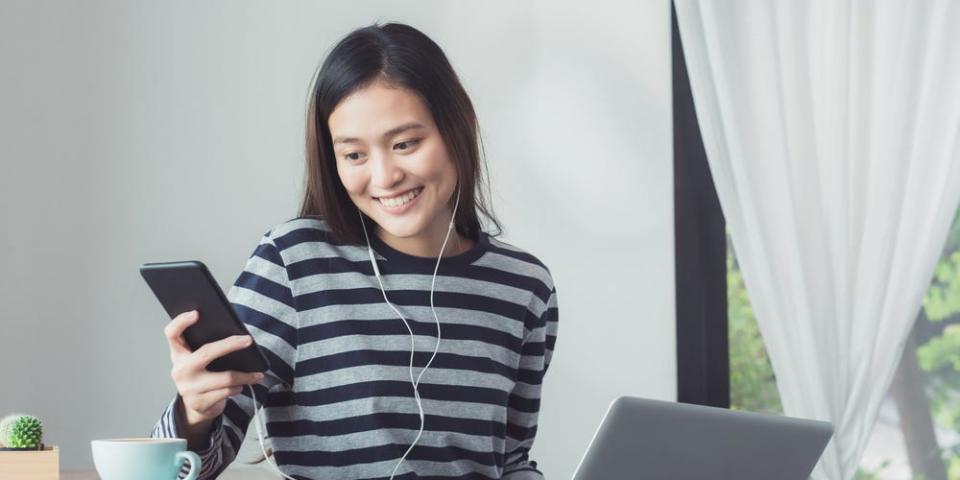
(374, 110)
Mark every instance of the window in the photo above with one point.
(917, 433)
(721, 358)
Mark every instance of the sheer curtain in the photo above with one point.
(831, 130)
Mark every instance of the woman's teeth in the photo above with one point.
(401, 200)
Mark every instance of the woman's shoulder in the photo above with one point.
(519, 260)
(304, 238)
(299, 226)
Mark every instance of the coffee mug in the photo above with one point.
(143, 458)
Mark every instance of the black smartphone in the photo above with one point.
(187, 285)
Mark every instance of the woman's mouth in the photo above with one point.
(400, 203)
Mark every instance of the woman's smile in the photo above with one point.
(400, 204)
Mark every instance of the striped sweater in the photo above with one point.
(337, 399)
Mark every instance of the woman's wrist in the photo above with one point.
(196, 430)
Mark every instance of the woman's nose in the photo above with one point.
(386, 173)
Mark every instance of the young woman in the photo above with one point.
(404, 341)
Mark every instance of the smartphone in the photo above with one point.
(187, 285)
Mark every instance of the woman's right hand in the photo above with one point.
(204, 392)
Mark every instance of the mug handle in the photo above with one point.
(194, 460)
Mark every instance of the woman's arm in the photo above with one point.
(263, 301)
(524, 404)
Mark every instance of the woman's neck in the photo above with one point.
(427, 244)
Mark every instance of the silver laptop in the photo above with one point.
(657, 440)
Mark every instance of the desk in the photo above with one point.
(232, 473)
(78, 475)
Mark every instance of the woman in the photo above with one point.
(404, 341)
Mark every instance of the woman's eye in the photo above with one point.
(408, 142)
(353, 156)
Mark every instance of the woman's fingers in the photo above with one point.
(204, 392)
(174, 333)
(214, 350)
(200, 384)
(220, 380)
(201, 390)
(212, 401)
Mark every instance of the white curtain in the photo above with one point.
(831, 129)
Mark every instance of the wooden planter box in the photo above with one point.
(30, 464)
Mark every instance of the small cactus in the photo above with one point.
(6, 427)
(21, 431)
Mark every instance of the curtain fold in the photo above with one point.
(832, 131)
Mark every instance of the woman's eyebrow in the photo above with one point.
(389, 133)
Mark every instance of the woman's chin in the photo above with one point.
(400, 227)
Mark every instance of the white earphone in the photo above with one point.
(415, 383)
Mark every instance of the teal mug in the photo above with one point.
(143, 458)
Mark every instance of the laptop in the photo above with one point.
(657, 440)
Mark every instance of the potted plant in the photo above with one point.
(22, 452)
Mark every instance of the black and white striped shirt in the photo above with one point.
(338, 403)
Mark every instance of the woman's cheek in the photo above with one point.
(351, 181)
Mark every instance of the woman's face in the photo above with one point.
(394, 163)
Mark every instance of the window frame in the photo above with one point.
(700, 253)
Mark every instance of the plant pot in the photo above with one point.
(22, 464)
(24, 449)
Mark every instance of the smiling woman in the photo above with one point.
(346, 318)
(401, 178)
(389, 114)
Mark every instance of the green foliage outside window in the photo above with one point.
(752, 383)
(940, 355)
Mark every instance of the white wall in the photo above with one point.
(148, 131)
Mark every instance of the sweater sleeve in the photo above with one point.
(524, 405)
(263, 301)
